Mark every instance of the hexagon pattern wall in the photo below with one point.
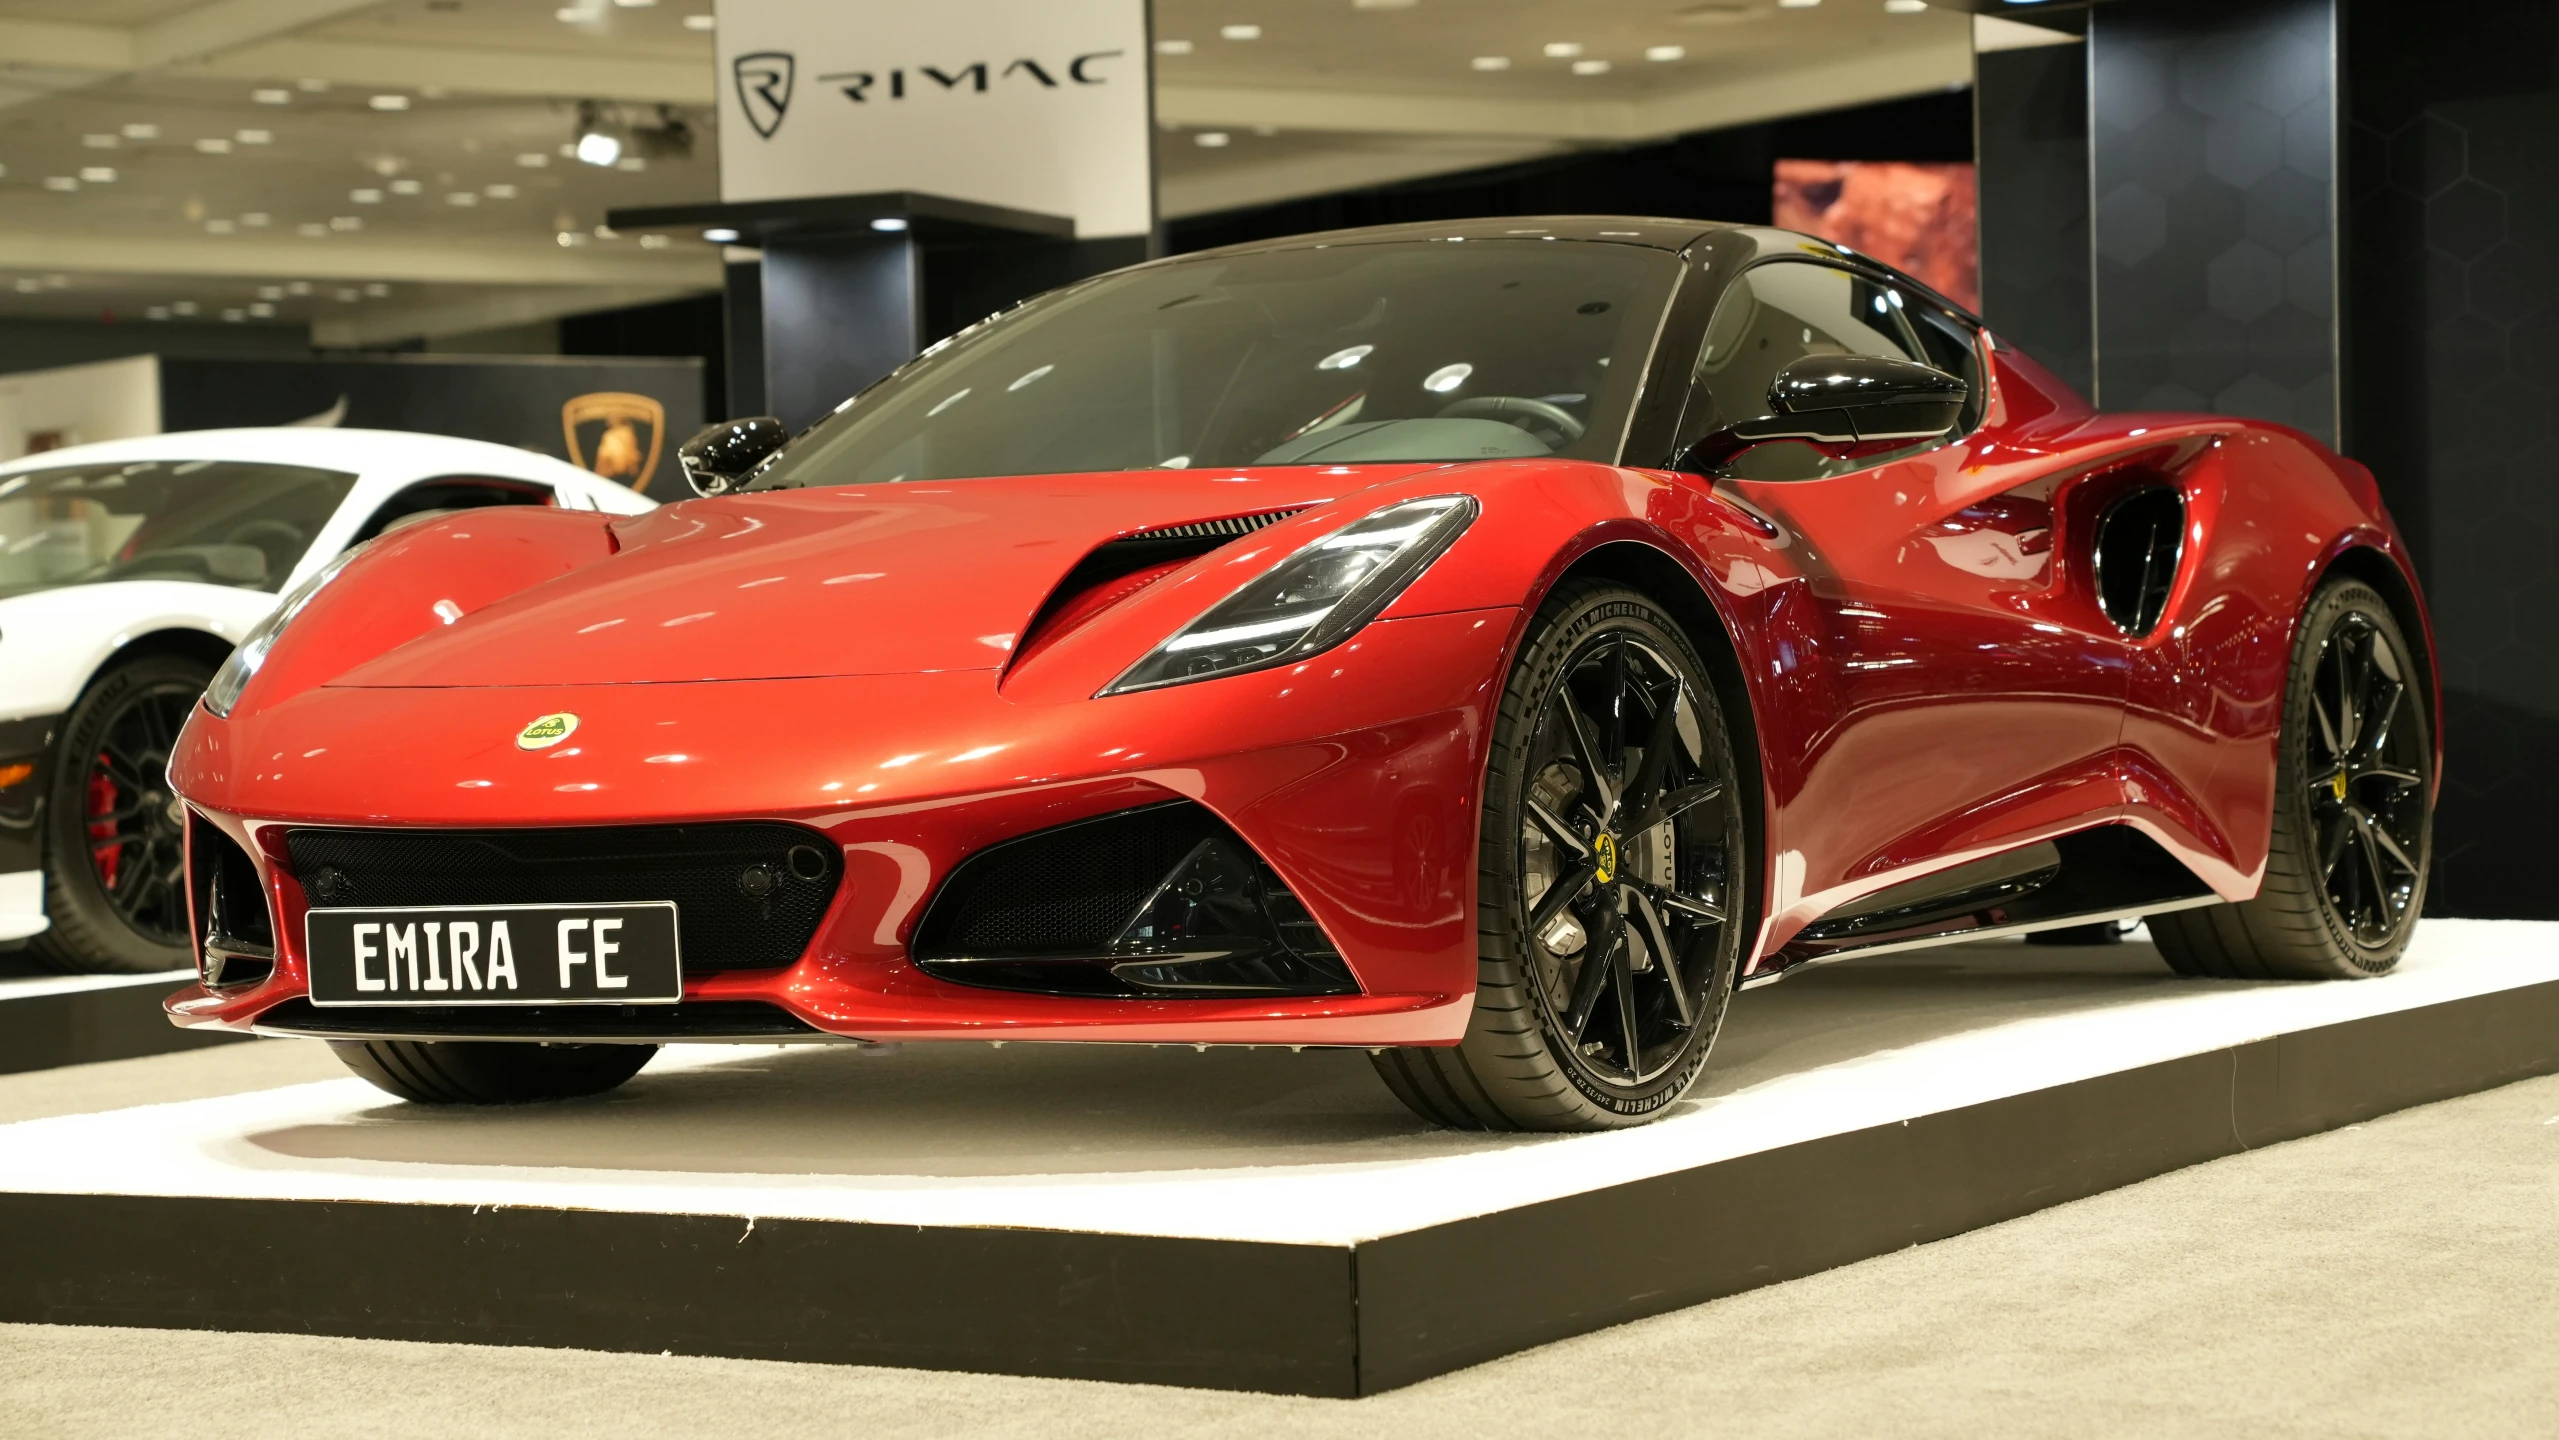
(2212, 163)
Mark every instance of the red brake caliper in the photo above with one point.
(102, 801)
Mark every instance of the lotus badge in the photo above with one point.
(545, 732)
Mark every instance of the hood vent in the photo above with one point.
(1120, 568)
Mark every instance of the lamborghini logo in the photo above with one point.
(605, 434)
(1604, 855)
(546, 731)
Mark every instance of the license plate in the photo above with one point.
(615, 953)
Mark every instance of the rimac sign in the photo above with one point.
(1035, 104)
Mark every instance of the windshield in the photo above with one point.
(1439, 351)
(220, 522)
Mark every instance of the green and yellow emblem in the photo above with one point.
(1605, 856)
(546, 731)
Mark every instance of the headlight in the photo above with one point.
(1313, 600)
(235, 673)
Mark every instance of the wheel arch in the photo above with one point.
(179, 640)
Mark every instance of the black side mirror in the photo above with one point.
(728, 454)
(1839, 401)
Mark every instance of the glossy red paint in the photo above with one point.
(1928, 672)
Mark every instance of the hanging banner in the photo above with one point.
(1041, 105)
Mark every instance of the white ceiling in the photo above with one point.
(166, 96)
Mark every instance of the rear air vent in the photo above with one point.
(1120, 568)
(2140, 539)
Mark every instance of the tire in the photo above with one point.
(109, 795)
(490, 1072)
(2354, 814)
(1525, 1063)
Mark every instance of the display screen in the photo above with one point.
(1919, 218)
(1442, 351)
(218, 522)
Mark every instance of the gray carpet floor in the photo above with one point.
(2392, 1279)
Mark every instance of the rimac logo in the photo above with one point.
(979, 76)
(764, 88)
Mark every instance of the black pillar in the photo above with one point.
(839, 313)
(2030, 122)
(742, 327)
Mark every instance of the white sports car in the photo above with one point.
(128, 570)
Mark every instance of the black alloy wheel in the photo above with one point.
(2367, 781)
(1612, 924)
(2353, 827)
(115, 852)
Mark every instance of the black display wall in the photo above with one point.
(2453, 238)
(2031, 115)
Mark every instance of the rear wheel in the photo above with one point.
(2354, 812)
(490, 1072)
(115, 837)
(1608, 908)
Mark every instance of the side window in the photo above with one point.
(1776, 314)
(446, 494)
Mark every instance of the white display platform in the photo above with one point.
(1262, 1219)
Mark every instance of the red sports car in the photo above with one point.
(1486, 644)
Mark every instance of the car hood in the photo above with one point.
(859, 580)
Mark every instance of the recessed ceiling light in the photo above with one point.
(571, 237)
(595, 147)
(366, 196)
(1240, 32)
(63, 183)
(255, 137)
(889, 224)
(389, 102)
(1797, 4)
(156, 312)
(254, 220)
(1590, 67)
(532, 159)
(499, 191)
(311, 229)
(100, 142)
(312, 85)
(1563, 49)
(235, 315)
(347, 293)
(607, 232)
(1665, 52)
(405, 187)
(377, 289)
(635, 4)
(463, 198)
(29, 285)
(721, 236)
(701, 22)
(217, 227)
(297, 287)
(262, 310)
(182, 307)
(1904, 7)
(97, 175)
(1173, 47)
(1211, 139)
(213, 145)
(270, 292)
(346, 222)
(142, 130)
(576, 15)
(1491, 62)
(654, 242)
(272, 97)
(633, 163)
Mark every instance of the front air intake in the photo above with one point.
(2140, 539)
(1161, 901)
(235, 936)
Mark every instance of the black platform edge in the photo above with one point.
(109, 1022)
(1301, 1319)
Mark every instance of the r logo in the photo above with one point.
(764, 88)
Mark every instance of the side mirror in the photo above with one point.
(1841, 402)
(728, 454)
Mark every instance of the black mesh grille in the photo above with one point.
(1070, 888)
(722, 922)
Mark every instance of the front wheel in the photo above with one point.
(115, 838)
(2354, 812)
(1610, 882)
(490, 1072)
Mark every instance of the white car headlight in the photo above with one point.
(1313, 600)
(251, 653)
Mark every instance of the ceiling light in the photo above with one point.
(156, 312)
(597, 148)
(346, 222)
(28, 285)
(377, 289)
(1240, 32)
(1384, 4)
(1590, 67)
(1665, 52)
(463, 198)
(213, 145)
(500, 191)
(262, 310)
(142, 130)
(571, 237)
(1563, 49)
(346, 294)
(576, 15)
(533, 160)
(1797, 4)
(405, 187)
(389, 102)
(312, 85)
(256, 137)
(366, 196)
(1904, 7)
(889, 224)
(182, 307)
(633, 163)
(1172, 47)
(297, 287)
(98, 174)
(700, 22)
(1211, 139)
(272, 97)
(235, 316)
(217, 227)
(99, 142)
(607, 232)
(721, 236)
(1491, 62)
(654, 242)
(63, 183)
(635, 4)
(255, 220)
(270, 292)
(310, 229)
